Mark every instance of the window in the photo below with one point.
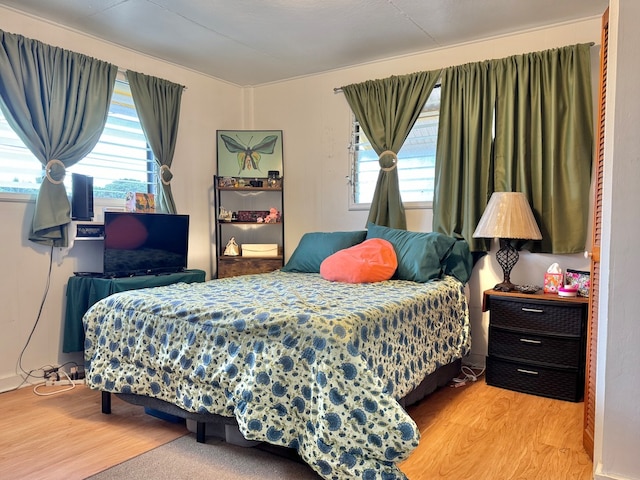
(416, 161)
(120, 162)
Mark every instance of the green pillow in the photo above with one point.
(421, 256)
(314, 247)
(459, 263)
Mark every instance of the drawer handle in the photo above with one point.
(533, 310)
(528, 340)
(528, 372)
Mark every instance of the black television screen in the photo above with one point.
(144, 243)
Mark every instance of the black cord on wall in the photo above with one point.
(44, 298)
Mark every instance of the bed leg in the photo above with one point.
(106, 402)
(200, 432)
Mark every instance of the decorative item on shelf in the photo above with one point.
(248, 153)
(256, 183)
(580, 278)
(225, 215)
(528, 288)
(273, 179)
(272, 217)
(553, 278)
(130, 202)
(508, 216)
(568, 291)
(140, 202)
(227, 182)
(251, 215)
(259, 250)
(232, 249)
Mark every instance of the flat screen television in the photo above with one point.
(144, 243)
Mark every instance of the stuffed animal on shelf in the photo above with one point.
(273, 217)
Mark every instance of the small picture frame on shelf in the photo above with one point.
(248, 153)
(140, 202)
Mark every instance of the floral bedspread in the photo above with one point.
(299, 361)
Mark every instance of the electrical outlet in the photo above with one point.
(57, 383)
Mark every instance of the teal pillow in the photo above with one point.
(314, 247)
(421, 256)
(459, 263)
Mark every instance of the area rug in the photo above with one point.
(188, 459)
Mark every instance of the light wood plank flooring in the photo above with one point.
(471, 432)
(67, 437)
(483, 432)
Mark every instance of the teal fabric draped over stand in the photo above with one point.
(83, 292)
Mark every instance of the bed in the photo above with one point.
(295, 360)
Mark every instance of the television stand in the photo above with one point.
(85, 290)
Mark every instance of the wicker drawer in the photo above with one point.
(538, 348)
(555, 383)
(542, 317)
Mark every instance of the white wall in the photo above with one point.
(207, 105)
(618, 383)
(316, 123)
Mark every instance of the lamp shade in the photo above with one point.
(508, 215)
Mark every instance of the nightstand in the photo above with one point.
(537, 343)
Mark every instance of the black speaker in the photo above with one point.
(81, 197)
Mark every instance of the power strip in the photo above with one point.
(65, 382)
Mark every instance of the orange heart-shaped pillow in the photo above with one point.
(373, 260)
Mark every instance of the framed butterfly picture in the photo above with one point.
(249, 153)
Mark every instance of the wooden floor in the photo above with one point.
(67, 437)
(470, 432)
(483, 432)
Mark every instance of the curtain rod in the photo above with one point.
(339, 89)
(123, 71)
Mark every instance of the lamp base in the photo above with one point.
(504, 287)
(507, 257)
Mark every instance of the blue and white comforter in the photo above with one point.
(299, 361)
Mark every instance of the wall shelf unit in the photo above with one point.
(247, 202)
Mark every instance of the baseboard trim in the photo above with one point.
(599, 475)
(11, 383)
(474, 359)
(15, 382)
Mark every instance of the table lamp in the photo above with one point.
(508, 216)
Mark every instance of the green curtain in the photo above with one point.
(463, 171)
(544, 140)
(542, 147)
(157, 102)
(57, 101)
(386, 110)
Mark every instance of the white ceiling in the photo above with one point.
(252, 42)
